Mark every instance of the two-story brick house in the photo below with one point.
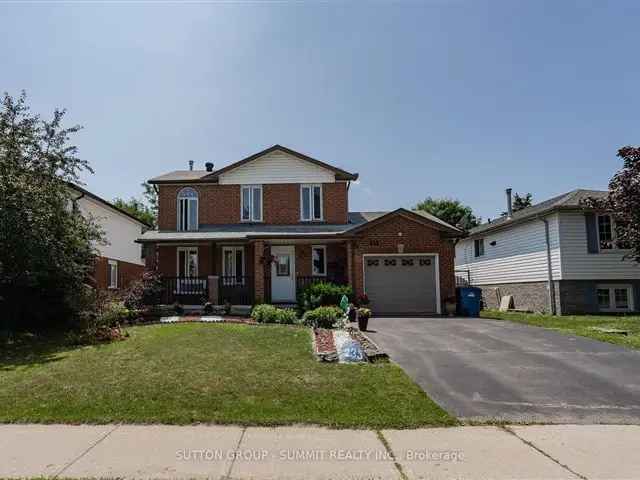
(267, 225)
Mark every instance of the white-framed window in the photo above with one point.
(251, 203)
(319, 260)
(478, 247)
(607, 238)
(615, 298)
(112, 274)
(187, 258)
(187, 209)
(311, 203)
(233, 265)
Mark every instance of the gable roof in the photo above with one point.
(570, 200)
(101, 200)
(369, 219)
(186, 176)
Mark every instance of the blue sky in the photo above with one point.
(435, 98)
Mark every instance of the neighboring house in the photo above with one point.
(555, 256)
(262, 228)
(120, 259)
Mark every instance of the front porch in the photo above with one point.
(247, 272)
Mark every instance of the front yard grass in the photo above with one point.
(203, 373)
(579, 325)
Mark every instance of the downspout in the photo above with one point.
(550, 285)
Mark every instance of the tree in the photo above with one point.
(451, 211)
(520, 202)
(623, 201)
(47, 249)
(145, 210)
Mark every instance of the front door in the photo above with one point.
(283, 274)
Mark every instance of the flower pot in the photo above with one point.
(450, 308)
(363, 322)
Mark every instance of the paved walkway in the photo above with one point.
(480, 369)
(524, 452)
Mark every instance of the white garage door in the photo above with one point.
(401, 284)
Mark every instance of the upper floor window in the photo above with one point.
(251, 199)
(311, 203)
(478, 247)
(187, 209)
(607, 234)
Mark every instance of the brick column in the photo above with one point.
(212, 283)
(350, 263)
(258, 271)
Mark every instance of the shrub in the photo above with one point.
(146, 291)
(323, 317)
(323, 294)
(266, 313)
(287, 316)
(113, 314)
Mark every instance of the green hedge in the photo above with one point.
(323, 294)
(324, 317)
(265, 313)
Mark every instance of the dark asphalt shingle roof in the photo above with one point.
(570, 199)
(244, 231)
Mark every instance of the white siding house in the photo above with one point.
(119, 259)
(588, 271)
(515, 255)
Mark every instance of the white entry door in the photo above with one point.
(283, 274)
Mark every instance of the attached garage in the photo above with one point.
(398, 284)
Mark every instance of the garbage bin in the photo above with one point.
(469, 301)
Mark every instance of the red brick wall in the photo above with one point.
(417, 238)
(336, 260)
(220, 204)
(127, 273)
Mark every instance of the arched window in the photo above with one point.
(187, 209)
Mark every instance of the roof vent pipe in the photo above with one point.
(209, 166)
(509, 204)
(190, 164)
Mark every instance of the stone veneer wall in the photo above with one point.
(532, 296)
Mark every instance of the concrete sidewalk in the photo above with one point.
(526, 452)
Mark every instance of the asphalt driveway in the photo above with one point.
(481, 369)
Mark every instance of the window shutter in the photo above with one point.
(592, 232)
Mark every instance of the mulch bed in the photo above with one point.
(324, 346)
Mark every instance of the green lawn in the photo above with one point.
(191, 373)
(579, 325)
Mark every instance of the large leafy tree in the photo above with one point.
(451, 211)
(46, 246)
(623, 201)
(145, 209)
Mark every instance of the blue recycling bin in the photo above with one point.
(469, 301)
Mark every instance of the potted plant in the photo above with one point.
(450, 305)
(352, 313)
(362, 300)
(363, 318)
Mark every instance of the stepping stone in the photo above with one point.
(169, 319)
